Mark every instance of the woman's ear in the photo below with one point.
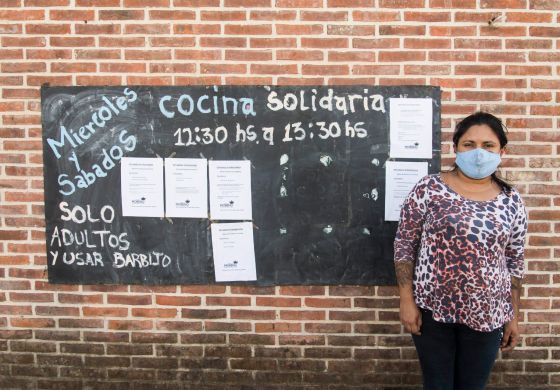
(502, 152)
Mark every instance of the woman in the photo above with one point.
(459, 261)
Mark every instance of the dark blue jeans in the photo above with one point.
(454, 356)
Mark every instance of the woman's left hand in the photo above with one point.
(511, 336)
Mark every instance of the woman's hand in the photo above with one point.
(511, 336)
(411, 317)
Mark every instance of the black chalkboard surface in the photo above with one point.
(317, 175)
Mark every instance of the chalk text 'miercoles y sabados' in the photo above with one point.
(73, 138)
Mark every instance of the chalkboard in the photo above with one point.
(318, 215)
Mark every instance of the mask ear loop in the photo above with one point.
(497, 176)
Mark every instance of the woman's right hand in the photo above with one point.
(410, 316)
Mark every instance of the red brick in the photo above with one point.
(460, 31)
(427, 43)
(219, 15)
(182, 326)
(198, 54)
(171, 15)
(122, 14)
(478, 69)
(254, 29)
(196, 3)
(350, 30)
(142, 3)
(46, 3)
(154, 313)
(68, 14)
(526, 43)
(228, 301)
(98, 29)
(401, 3)
(177, 300)
(247, 3)
(501, 4)
(301, 340)
(47, 29)
(529, 17)
(375, 43)
(278, 302)
(196, 29)
(278, 327)
(73, 67)
(15, 310)
(452, 3)
(402, 30)
(553, 5)
(223, 42)
(11, 106)
(130, 299)
(544, 57)
(23, 41)
(529, 96)
(528, 70)
(105, 311)
(129, 324)
(401, 56)
(80, 298)
(203, 313)
(514, 31)
(147, 54)
(541, 31)
(223, 68)
(147, 29)
(453, 82)
(273, 15)
(172, 68)
(373, 16)
(72, 41)
(478, 95)
(246, 55)
(121, 42)
(344, 56)
(427, 69)
(427, 16)
(501, 83)
(32, 322)
(98, 3)
(11, 29)
(25, 222)
(300, 29)
(13, 235)
(252, 314)
(502, 57)
(475, 43)
(350, 4)
(299, 3)
(98, 54)
(11, 80)
(19, 14)
(324, 69)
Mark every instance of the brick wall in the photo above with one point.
(68, 336)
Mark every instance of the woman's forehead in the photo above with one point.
(480, 133)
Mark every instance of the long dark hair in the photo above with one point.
(497, 126)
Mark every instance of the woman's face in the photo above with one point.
(479, 136)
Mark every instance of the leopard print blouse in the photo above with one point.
(464, 252)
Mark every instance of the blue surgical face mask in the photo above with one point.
(478, 163)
